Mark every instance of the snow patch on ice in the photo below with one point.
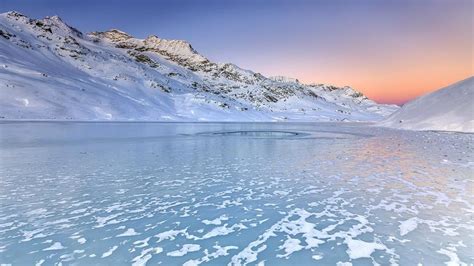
(55, 246)
(220, 252)
(185, 249)
(145, 256)
(361, 249)
(291, 245)
(109, 252)
(453, 257)
(223, 230)
(128, 232)
(217, 221)
(408, 226)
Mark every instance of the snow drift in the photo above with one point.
(448, 109)
(50, 70)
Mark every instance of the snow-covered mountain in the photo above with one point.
(448, 109)
(49, 70)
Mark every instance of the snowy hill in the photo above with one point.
(49, 70)
(450, 109)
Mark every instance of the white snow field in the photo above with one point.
(51, 71)
(449, 109)
(234, 194)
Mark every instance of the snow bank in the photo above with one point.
(448, 109)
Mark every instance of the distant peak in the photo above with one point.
(116, 31)
(55, 17)
(113, 35)
(16, 16)
(14, 13)
(179, 48)
(52, 24)
(57, 22)
(284, 79)
(153, 39)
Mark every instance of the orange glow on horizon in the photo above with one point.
(397, 78)
(390, 62)
(399, 89)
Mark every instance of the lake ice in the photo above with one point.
(234, 193)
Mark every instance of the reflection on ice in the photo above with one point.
(137, 193)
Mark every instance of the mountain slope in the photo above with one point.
(49, 70)
(450, 109)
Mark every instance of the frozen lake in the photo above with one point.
(218, 194)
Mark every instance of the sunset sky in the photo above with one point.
(391, 50)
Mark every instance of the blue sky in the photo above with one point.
(384, 48)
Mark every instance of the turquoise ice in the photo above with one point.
(227, 193)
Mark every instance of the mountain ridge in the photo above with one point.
(63, 73)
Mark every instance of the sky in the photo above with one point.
(391, 50)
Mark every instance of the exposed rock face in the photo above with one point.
(65, 74)
(113, 35)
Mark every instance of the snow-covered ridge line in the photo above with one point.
(50, 70)
(447, 109)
